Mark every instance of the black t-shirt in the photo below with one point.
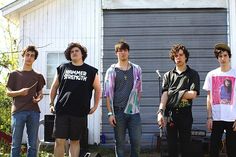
(75, 89)
(174, 83)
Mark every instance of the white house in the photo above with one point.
(150, 26)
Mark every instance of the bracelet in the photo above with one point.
(209, 118)
(109, 114)
(160, 111)
(51, 104)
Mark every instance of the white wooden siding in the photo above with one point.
(53, 24)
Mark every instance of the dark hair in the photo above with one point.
(72, 45)
(175, 49)
(32, 49)
(121, 45)
(229, 88)
(221, 47)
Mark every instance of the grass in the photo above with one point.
(103, 151)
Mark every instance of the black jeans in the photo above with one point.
(180, 130)
(216, 136)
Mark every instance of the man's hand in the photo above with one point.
(92, 110)
(52, 109)
(160, 120)
(24, 91)
(112, 120)
(234, 126)
(37, 98)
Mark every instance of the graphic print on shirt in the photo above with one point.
(75, 75)
(222, 90)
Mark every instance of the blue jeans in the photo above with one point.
(133, 124)
(19, 120)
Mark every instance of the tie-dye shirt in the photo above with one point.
(133, 103)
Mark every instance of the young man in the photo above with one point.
(221, 108)
(180, 86)
(25, 87)
(123, 87)
(76, 81)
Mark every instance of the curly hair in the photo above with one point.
(72, 45)
(175, 49)
(32, 49)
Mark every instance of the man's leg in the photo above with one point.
(216, 135)
(18, 123)
(135, 132)
(60, 132)
(120, 131)
(59, 148)
(230, 140)
(74, 148)
(32, 125)
(78, 126)
(185, 127)
(172, 140)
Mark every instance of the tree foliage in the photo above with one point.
(8, 62)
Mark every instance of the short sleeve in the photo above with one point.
(165, 82)
(41, 82)
(11, 80)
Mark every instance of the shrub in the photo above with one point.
(5, 118)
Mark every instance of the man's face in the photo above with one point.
(29, 58)
(75, 54)
(122, 55)
(223, 58)
(180, 58)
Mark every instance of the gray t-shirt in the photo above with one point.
(123, 86)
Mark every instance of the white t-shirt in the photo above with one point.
(222, 88)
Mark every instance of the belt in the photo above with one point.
(183, 104)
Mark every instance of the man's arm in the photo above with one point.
(21, 92)
(38, 97)
(53, 92)
(164, 98)
(194, 89)
(111, 117)
(209, 111)
(97, 93)
(190, 95)
(162, 107)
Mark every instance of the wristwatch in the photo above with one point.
(160, 111)
(109, 114)
(51, 104)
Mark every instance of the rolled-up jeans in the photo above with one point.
(19, 120)
(132, 123)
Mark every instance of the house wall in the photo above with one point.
(53, 24)
(150, 34)
(151, 27)
(232, 30)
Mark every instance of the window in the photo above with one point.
(54, 59)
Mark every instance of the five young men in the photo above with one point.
(76, 81)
